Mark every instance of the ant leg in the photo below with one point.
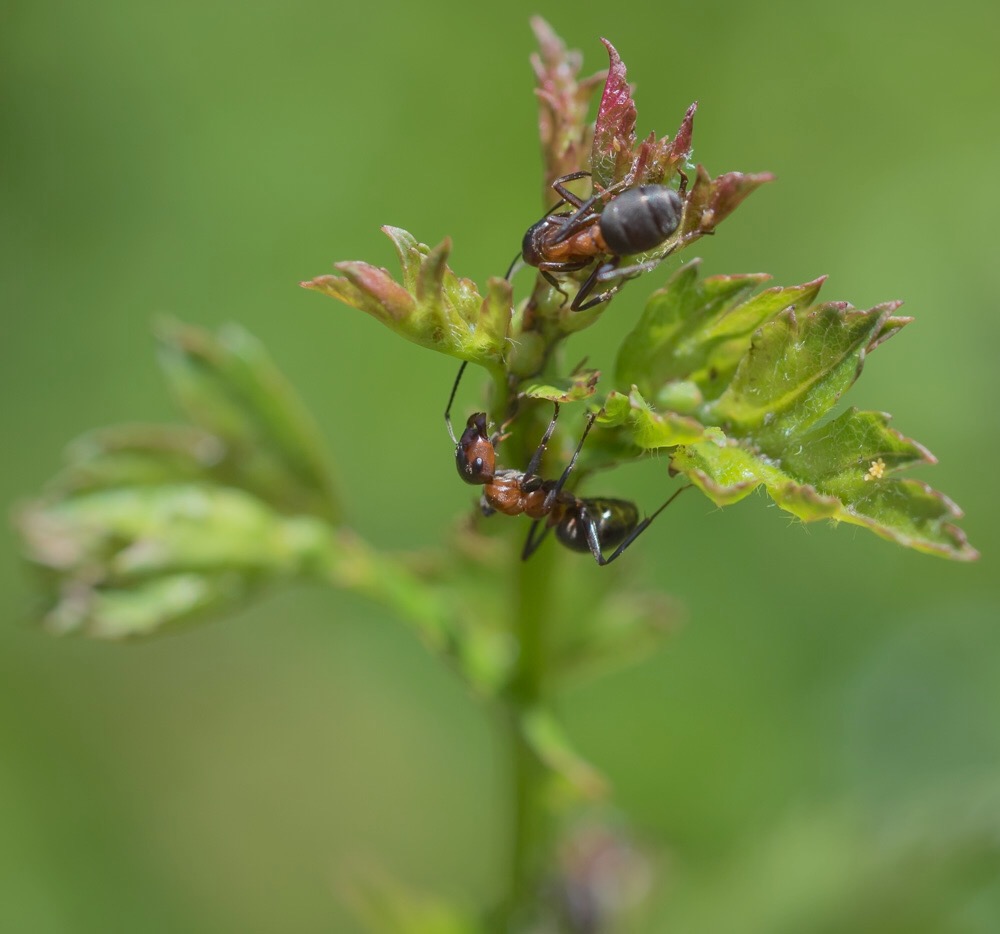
(546, 270)
(583, 216)
(566, 195)
(594, 542)
(550, 497)
(551, 280)
(534, 539)
(451, 399)
(600, 274)
(630, 272)
(536, 458)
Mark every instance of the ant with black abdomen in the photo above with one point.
(582, 524)
(635, 221)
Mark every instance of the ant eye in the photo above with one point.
(477, 465)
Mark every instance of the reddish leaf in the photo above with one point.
(614, 131)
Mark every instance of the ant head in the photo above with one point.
(474, 456)
(533, 244)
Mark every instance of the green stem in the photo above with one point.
(530, 820)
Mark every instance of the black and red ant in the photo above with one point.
(637, 220)
(582, 524)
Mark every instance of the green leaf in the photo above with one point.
(772, 367)
(797, 368)
(474, 644)
(228, 385)
(843, 449)
(139, 455)
(672, 339)
(575, 388)
(130, 561)
(547, 738)
(613, 630)
(727, 340)
(384, 905)
(647, 429)
(433, 307)
(905, 511)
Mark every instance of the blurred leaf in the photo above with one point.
(129, 561)
(437, 609)
(433, 307)
(622, 628)
(547, 738)
(563, 101)
(139, 455)
(384, 905)
(228, 385)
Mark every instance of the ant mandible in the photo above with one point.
(637, 220)
(582, 524)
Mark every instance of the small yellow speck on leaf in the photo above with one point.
(876, 470)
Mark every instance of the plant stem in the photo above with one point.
(530, 820)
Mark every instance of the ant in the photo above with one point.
(637, 220)
(581, 524)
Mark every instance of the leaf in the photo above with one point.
(437, 611)
(131, 561)
(744, 387)
(575, 388)
(727, 340)
(384, 905)
(228, 385)
(433, 307)
(796, 370)
(614, 630)
(711, 200)
(547, 738)
(905, 511)
(563, 100)
(139, 455)
(614, 131)
(615, 158)
(646, 428)
(672, 338)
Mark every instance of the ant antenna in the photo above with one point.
(512, 267)
(451, 399)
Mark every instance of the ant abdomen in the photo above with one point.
(640, 219)
(613, 519)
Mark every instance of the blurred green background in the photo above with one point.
(818, 749)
